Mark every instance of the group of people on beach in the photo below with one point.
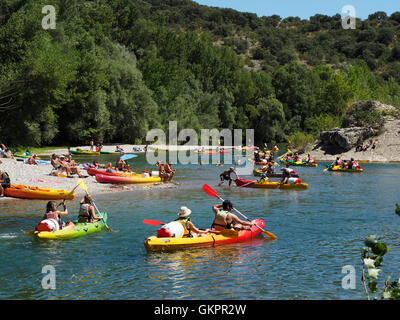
(364, 147)
(5, 152)
(65, 164)
(165, 171)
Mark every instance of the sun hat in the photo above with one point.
(184, 212)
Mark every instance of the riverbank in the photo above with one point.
(39, 176)
(386, 151)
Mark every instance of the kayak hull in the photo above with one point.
(85, 152)
(299, 164)
(94, 171)
(259, 172)
(110, 152)
(102, 178)
(269, 185)
(80, 229)
(28, 192)
(154, 244)
(345, 170)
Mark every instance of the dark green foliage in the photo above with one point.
(112, 70)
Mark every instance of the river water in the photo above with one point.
(320, 230)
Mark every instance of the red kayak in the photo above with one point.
(168, 244)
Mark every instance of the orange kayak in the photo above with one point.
(28, 192)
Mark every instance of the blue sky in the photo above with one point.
(307, 8)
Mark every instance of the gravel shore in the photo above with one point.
(39, 176)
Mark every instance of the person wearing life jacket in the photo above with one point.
(86, 211)
(5, 182)
(287, 169)
(309, 159)
(263, 178)
(51, 220)
(225, 219)
(188, 226)
(337, 162)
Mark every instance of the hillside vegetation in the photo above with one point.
(112, 70)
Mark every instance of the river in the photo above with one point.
(320, 230)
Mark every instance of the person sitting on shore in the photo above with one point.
(54, 216)
(365, 148)
(70, 168)
(58, 166)
(119, 149)
(32, 160)
(5, 182)
(86, 212)
(96, 164)
(374, 144)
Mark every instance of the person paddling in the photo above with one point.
(225, 219)
(87, 213)
(53, 214)
(226, 175)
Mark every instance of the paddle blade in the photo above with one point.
(152, 222)
(128, 156)
(210, 191)
(82, 184)
(270, 235)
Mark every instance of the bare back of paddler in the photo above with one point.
(226, 175)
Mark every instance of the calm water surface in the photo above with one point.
(319, 231)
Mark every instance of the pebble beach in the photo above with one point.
(39, 176)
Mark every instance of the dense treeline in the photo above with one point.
(112, 70)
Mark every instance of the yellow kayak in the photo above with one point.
(269, 185)
(211, 239)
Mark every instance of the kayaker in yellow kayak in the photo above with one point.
(86, 212)
(51, 220)
(225, 219)
(181, 227)
(263, 178)
(226, 175)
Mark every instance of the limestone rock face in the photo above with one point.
(345, 138)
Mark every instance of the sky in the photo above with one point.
(307, 8)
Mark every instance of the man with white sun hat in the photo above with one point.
(188, 226)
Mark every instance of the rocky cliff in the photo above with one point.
(365, 121)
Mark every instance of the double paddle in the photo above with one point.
(212, 193)
(83, 186)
